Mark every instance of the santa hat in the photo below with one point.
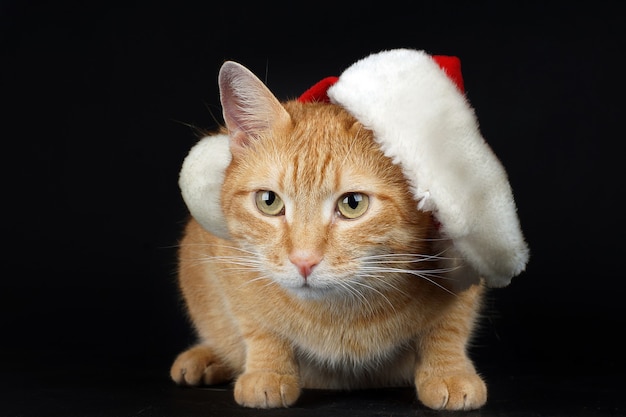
(415, 105)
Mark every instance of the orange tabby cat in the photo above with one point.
(329, 276)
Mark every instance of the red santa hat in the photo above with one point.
(451, 65)
(415, 105)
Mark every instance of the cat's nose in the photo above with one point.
(305, 261)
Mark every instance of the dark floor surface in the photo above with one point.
(93, 387)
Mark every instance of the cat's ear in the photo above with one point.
(250, 110)
(249, 107)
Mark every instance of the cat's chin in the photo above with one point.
(309, 293)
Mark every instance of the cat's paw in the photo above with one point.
(266, 390)
(462, 391)
(197, 366)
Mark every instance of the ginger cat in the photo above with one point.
(330, 276)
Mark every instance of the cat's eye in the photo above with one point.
(268, 202)
(353, 205)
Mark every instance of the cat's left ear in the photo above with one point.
(249, 107)
(249, 110)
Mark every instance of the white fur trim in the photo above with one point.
(201, 179)
(424, 123)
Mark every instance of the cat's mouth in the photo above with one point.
(307, 290)
(313, 290)
(317, 285)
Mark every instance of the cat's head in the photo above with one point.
(398, 119)
(311, 195)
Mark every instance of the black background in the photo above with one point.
(101, 102)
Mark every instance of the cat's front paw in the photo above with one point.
(266, 390)
(462, 391)
(199, 365)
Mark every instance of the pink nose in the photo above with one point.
(305, 261)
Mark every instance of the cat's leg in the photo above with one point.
(199, 365)
(445, 377)
(271, 378)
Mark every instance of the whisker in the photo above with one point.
(249, 264)
(426, 275)
(391, 263)
(356, 294)
(432, 272)
(382, 279)
(268, 281)
(219, 245)
(371, 288)
(405, 257)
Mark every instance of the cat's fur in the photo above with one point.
(308, 298)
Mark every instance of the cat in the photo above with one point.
(330, 277)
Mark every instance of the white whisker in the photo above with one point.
(268, 282)
(427, 275)
(379, 265)
(371, 288)
(356, 295)
(404, 258)
(383, 279)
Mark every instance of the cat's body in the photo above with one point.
(329, 277)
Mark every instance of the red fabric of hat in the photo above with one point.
(450, 64)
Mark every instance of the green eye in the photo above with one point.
(268, 202)
(353, 205)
